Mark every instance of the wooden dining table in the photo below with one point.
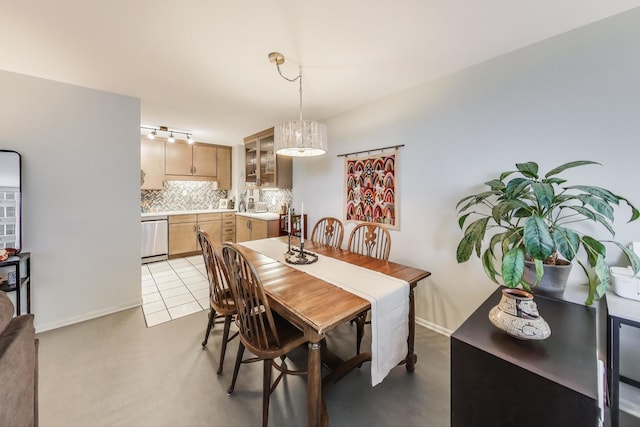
(316, 307)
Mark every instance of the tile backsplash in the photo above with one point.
(191, 195)
(182, 195)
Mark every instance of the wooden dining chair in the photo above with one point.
(220, 296)
(328, 231)
(266, 334)
(373, 240)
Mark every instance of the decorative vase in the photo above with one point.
(517, 314)
(553, 281)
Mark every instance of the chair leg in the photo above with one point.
(225, 338)
(266, 391)
(236, 367)
(212, 318)
(360, 320)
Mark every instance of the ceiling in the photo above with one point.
(202, 66)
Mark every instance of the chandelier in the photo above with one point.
(298, 138)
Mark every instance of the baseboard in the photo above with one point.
(88, 316)
(434, 327)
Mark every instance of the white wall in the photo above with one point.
(573, 97)
(81, 196)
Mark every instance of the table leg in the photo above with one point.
(18, 303)
(314, 386)
(614, 369)
(412, 359)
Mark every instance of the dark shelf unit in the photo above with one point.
(15, 262)
(284, 227)
(498, 380)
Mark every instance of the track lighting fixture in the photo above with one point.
(170, 134)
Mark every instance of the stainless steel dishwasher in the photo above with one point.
(155, 238)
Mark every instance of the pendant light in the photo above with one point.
(298, 138)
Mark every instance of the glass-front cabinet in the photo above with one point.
(263, 168)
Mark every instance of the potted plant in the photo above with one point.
(527, 216)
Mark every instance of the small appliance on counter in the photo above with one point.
(261, 207)
(625, 283)
(250, 205)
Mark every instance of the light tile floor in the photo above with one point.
(174, 288)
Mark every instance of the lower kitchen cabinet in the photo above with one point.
(228, 227)
(248, 228)
(182, 234)
(183, 230)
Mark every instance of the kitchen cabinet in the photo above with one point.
(198, 162)
(191, 160)
(228, 227)
(151, 164)
(183, 230)
(248, 228)
(263, 168)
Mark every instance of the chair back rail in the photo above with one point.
(219, 290)
(254, 318)
(328, 231)
(370, 239)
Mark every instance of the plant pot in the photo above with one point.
(517, 314)
(553, 281)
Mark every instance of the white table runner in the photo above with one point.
(388, 296)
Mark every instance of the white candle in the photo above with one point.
(290, 230)
(302, 223)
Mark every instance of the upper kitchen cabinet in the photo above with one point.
(263, 168)
(151, 164)
(198, 162)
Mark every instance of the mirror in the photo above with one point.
(10, 200)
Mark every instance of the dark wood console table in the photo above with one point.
(620, 311)
(15, 262)
(498, 380)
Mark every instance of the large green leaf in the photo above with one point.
(544, 193)
(537, 238)
(598, 192)
(556, 180)
(473, 234)
(513, 267)
(634, 260)
(602, 272)
(465, 248)
(635, 213)
(475, 199)
(566, 166)
(487, 264)
(598, 204)
(495, 184)
(567, 242)
(517, 186)
(594, 249)
(584, 211)
(529, 169)
(500, 211)
(503, 175)
(462, 219)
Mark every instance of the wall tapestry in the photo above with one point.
(370, 189)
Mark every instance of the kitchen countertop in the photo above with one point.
(263, 215)
(268, 216)
(185, 212)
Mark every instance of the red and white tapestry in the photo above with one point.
(370, 189)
